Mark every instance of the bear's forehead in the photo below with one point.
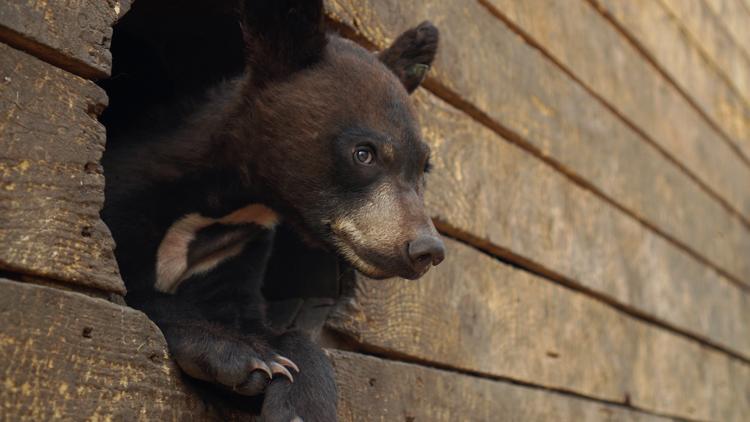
(349, 89)
(361, 94)
(349, 63)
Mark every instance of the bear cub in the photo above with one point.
(317, 132)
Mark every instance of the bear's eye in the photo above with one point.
(427, 166)
(364, 155)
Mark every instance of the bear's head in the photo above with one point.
(335, 140)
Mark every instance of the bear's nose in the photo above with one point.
(424, 251)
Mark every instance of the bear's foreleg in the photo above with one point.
(215, 325)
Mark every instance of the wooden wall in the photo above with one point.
(592, 179)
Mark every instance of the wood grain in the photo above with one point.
(373, 389)
(708, 33)
(65, 356)
(734, 16)
(555, 116)
(500, 198)
(51, 184)
(661, 35)
(72, 35)
(476, 314)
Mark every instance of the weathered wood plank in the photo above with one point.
(477, 314)
(658, 32)
(556, 116)
(373, 389)
(66, 356)
(734, 16)
(499, 197)
(51, 185)
(708, 34)
(71, 35)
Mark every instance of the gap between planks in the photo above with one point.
(48, 54)
(62, 285)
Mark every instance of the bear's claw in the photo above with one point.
(277, 365)
(258, 365)
(279, 369)
(286, 362)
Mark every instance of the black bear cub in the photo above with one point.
(318, 132)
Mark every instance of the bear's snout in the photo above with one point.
(425, 250)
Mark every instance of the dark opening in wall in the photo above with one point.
(166, 55)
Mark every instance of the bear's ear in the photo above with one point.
(282, 36)
(411, 55)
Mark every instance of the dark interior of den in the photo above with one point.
(166, 55)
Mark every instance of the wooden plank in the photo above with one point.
(373, 389)
(734, 16)
(709, 35)
(497, 196)
(477, 314)
(554, 115)
(74, 36)
(66, 356)
(51, 184)
(657, 31)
